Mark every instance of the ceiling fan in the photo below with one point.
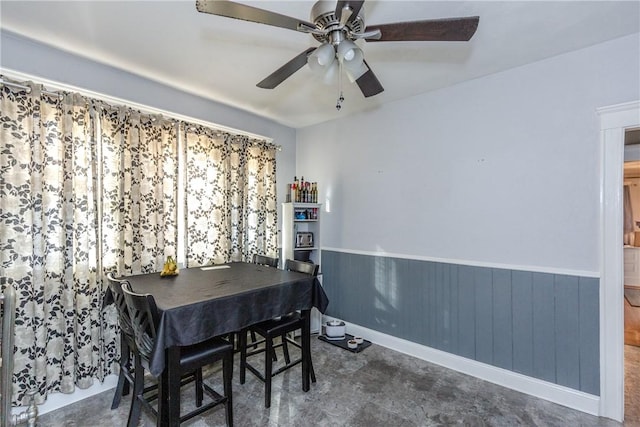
(337, 28)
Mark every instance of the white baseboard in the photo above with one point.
(58, 400)
(545, 390)
(552, 392)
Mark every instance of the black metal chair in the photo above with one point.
(144, 320)
(271, 329)
(302, 267)
(269, 262)
(126, 377)
(127, 342)
(265, 260)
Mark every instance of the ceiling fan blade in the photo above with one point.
(284, 72)
(369, 83)
(449, 29)
(354, 5)
(231, 9)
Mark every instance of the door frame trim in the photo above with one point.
(614, 120)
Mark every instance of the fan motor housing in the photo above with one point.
(323, 15)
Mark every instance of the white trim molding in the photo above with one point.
(614, 120)
(59, 400)
(542, 389)
(532, 268)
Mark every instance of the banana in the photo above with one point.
(170, 267)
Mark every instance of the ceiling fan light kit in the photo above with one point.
(337, 25)
(349, 54)
(322, 58)
(352, 59)
(329, 74)
(323, 64)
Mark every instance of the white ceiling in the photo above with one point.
(222, 59)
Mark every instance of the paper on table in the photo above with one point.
(214, 267)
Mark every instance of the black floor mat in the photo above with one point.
(343, 343)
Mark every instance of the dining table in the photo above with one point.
(200, 303)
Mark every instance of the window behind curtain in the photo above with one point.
(139, 191)
(88, 187)
(230, 197)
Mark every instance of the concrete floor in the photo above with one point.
(378, 387)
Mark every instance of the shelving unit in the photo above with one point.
(298, 220)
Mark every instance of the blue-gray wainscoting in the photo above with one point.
(541, 325)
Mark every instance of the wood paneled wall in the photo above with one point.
(541, 325)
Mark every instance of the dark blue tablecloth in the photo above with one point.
(201, 303)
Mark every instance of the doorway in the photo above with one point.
(614, 122)
(631, 261)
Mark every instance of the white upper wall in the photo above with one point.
(500, 170)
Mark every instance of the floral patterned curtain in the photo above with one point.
(86, 188)
(138, 195)
(252, 178)
(138, 191)
(230, 197)
(48, 238)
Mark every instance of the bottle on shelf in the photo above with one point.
(305, 194)
(294, 191)
(301, 191)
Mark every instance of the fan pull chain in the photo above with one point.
(340, 96)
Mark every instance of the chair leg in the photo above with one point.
(285, 349)
(313, 373)
(127, 384)
(138, 389)
(254, 339)
(268, 362)
(227, 375)
(122, 389)
(119, 390)
(199, 388)
(254, 346)
(243, 354)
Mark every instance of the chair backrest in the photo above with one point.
(265, 260)
(115, 285)
(144, 319)
(302, 267)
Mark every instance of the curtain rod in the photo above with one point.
(134, 105)
(27, 88)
